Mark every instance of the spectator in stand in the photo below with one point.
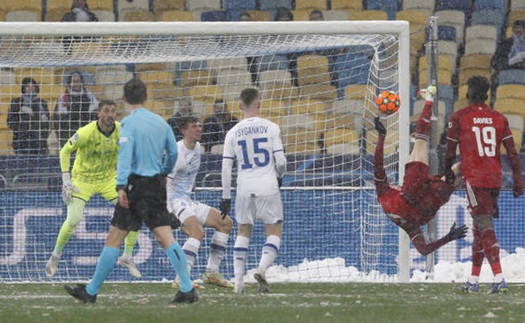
(316, 15)
(185, 110)
(217, 125)
(283, 14)
(28, 117)
(79, 13)
(75, 108)
(245, 16)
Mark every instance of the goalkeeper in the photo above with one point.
(94, 171)
(418, 200)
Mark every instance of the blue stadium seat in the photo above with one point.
(214, 15)
(352, 68)
(461, 5)
(273, 4)
(445, 33)
(494, 18)
(490, 5)
(390, 6)
(239, 5)
(272, 62)
(511, 77)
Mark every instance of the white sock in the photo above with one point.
(473, 279)
(270, 251)
(240, 252)
(498, 278)
(191, 249)
(217, 250)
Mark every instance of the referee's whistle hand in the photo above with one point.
(123, 199)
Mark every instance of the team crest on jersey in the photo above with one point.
(74, 139)
(450, 124)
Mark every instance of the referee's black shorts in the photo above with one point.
(147, 204)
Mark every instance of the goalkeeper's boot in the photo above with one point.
(127, 262)
(189, 297)
(216, 279)
(52, 264)
(469, 287)
(263, 284)
(79, 292)
(499, 288)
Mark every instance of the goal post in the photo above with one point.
(318, 81)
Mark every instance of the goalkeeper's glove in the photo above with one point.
(379, 126)
(428, 93)
(225, 207)
(457, 233)
(67, 187)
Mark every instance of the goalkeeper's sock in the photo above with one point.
(178, 261)
(240, 252)
(270, 251)
(106, 263)
(491, 248)
(424, 122)
(218, 248)
(66, 231)
(191, 249)
(129, 243)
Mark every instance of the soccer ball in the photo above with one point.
(388, 102)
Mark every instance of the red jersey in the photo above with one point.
(479, 131)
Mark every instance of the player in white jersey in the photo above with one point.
(256, 144)
(194, 216)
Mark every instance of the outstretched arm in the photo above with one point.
(380, 178)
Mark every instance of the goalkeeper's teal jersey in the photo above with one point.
(96, 153)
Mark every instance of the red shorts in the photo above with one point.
(424, 192)
(482, 201)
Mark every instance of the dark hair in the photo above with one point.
(103, 103)
(281, 12)
(185, 121)
(478, 87)
(245, 13)
(249, 95)
(519, 23)
(70, 77)
(316, 12)
(29, 80)
(135, 91)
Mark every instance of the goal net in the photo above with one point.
(318, 81)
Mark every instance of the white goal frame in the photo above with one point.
(399, 29)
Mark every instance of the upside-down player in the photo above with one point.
(194, 216)
(479, 131)
(94, 171)
(416, 202)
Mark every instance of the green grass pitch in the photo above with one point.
(349, 302)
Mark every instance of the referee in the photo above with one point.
(148, 152)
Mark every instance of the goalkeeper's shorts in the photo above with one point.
(106, 189)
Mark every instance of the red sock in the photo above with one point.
(491, 248)
(424, 122)
(477, 253)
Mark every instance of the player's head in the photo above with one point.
(107, 112)
(283, 14)
(191, 128)
(250, 99)
(135, 92)
(220, 107)
(316, 15)
(75, 81)
(478, 86)
(245, 16)
(518, 27)
(29, 86)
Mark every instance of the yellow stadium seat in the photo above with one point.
(272, 108)
(101, 5)
(301, 15)
(358, 91)
(24, 5)
(195, 77)
(260, 15)
(322, 92)
(464, 75)
(51, 93)
(54, 4)
(28, 15)
(347, 4)
(278, 91)
(6, 139)
(475, 61)
(445, 62)
(41, 75)
(367, 15)
(156, 77)
(390, 147)
(174, 15)
(342, 120)
(301, 141)
(205, 92)
(136, 15)
(310, 4)
(54, 15)
(518, 140)
(304, 106)
(341, 136)
(510, 106)
(444, 78)
(312, 69)
(169, 5)
(510, 91)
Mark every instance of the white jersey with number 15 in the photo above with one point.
(253, 142)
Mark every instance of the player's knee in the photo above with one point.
(225, 225)
(196, 232)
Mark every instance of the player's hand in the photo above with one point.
(279, 182)
(379, 126)
(428, 93)
(225, 207)
(517, 190)
(457, 233)
(67, 188)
